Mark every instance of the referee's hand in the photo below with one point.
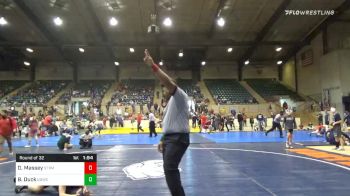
(148, 59)
(160, 147)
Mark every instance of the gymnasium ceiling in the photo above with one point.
(253, 28)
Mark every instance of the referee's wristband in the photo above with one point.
(155, 67)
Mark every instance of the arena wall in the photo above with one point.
(338, 36)
(54, 71)
(288, 75)
(309, 78)
(219, 71)
(335, 69)
(136, 71)
(14, 75)
(96, 71)
(251, 71)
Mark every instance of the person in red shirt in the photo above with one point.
(47, 120)
(6, 130)
(139, 119)
(203, 122)
(47, 125)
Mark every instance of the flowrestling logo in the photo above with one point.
(145, 170)
(309, 12)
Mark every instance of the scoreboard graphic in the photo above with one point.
(56, 169)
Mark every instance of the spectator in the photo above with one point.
(203, 122)
(6, 131)
(112, 121)
(64, 142)
(139, 119)
(251, 120)
(240, 120)
(86, 140)
(33, 132)
(194, 120)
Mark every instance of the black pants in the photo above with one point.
(261, 125)
(240, 125)
(194, 124)
(9, 142)
(85, 143)
(226, 125)
(345, 135)
(274, 126)
(139, 127)
(152, 128)
(175, 146)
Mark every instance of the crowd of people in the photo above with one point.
(32, 127)
(95, 90)
(38, 94)
(43, 124)
(133, 92)
(8, 86)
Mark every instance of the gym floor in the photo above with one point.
(235, 163)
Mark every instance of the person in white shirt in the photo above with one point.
(277, 124)
(152, 125)
(86, 140)
(176, 137)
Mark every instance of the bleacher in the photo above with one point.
(270, 88)
(9, 86)
(190, 88)
(95, 90)
(138, 91)
(37, 94)
(229, 91)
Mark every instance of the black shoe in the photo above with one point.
(281, 136)
(19, 189)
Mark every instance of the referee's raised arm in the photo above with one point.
(160, 74)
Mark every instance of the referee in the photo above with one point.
(176, 138)
(152, 124)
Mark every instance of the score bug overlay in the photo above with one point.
(56, 169)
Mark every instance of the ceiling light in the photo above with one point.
(81, 50)
(58, 21)
(131, 50)
(221, 22)
(229, 49)
(30, 50)
(26, 63)
(278, 49)
(203, 63)
(116, 63)
(181, 53)
(279, 62)
(161, 63)
(113, 22)
(246, 62)
(113, 5)
(167, 22)
(3, 21)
